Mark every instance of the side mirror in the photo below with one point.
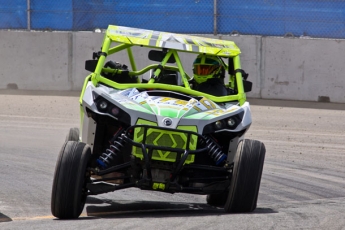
(158, 56)
(247, 85)
(90, 65)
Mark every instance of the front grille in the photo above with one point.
(176, 140)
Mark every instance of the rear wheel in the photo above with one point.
(73, 134)
(246, 177)
(69, 185)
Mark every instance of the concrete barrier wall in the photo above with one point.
(280, 68)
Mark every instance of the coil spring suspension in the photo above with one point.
(116, 144)
(214, 150)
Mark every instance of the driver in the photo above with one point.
(209, 73)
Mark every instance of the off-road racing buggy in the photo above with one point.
(150, 129)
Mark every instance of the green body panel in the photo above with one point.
(167, 112)
(158, 186)
(167, 107)
(165, 138)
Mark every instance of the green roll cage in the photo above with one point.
(107, 50)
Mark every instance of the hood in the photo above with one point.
(164, 107)
(171, 104)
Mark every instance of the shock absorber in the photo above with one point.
(214, 150)
(116, 144)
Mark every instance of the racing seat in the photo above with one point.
(169, 77)
(213, 86)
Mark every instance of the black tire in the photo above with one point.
(246, 177)
(69, 185)
(73, 134)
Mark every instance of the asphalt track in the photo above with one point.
(303, 185)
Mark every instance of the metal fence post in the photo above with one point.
(28, 14)
(215, 17)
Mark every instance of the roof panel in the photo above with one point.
(175, 41)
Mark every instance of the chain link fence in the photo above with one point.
(13, 14)
(314, 18)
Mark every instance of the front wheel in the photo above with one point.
(246, 177)
(69, 185)
(73, 134)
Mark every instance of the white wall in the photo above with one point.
(280, 68)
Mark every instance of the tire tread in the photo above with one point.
(247, 172)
